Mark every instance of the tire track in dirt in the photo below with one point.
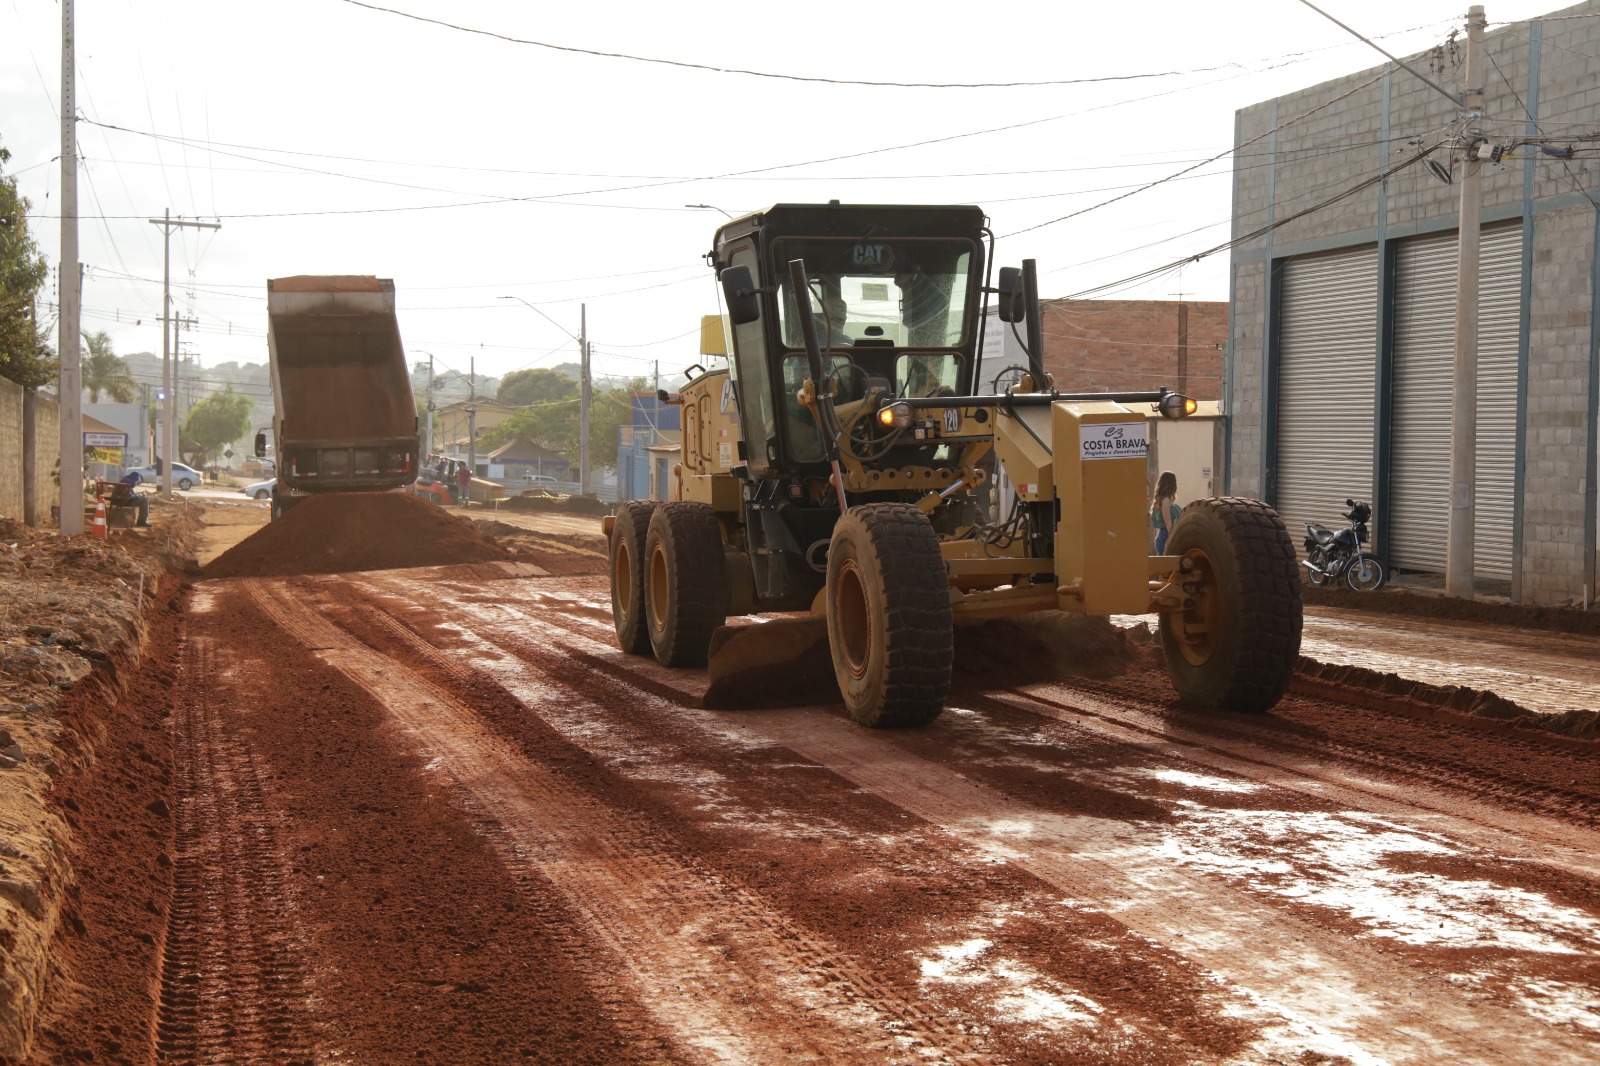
(732, 979)
(232, 987)
(1318, 979)
(1139, 996)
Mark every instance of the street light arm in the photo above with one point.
(544, 316)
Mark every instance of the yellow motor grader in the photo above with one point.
(842, 465)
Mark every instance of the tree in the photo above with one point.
(522, 388)
(554, 424)
(105, 371)
(24, 356)
(219, 419)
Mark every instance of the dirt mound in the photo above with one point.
(341, 532)
(1478, 703)
(557, 553)
(1424, 605)
(539, 500)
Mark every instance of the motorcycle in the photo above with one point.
(1331, 555)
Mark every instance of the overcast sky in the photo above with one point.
(331, 137)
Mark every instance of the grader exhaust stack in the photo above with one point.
(842, 467)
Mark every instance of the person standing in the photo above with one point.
(464, 483)
(1164, 510)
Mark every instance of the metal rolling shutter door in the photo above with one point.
(1327, 366)
(1423, 368)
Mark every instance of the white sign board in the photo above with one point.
(1113, 440)
(105, 440)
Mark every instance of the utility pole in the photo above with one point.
(583, 399)
(169, 332)
(428, 436)
(472, 415)
(1459, 561)
(67, 279)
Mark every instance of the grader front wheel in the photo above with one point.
(889, 623)
(1235, 643)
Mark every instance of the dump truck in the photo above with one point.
(836, 468)
(344, 418)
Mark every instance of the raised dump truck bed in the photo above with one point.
(345, 420)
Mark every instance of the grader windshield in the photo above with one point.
(879, 292)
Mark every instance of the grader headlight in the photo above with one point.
(1177, 405)
(895, 416)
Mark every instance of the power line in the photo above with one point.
(781, 77)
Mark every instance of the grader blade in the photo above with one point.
(781, 663)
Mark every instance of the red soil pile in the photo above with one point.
(341, 532)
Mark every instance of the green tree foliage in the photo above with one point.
(522, 388)
(24, 356)
(217, 420)
(105, 371)
(554, 424)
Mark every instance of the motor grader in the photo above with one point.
(842, 464)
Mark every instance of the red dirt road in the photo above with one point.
(435, 816)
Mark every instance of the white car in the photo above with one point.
(261, 490)
(184, 478)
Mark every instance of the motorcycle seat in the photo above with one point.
(1320, 534)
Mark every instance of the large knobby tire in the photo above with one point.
(686, 582)
(627, 575)
(1236, 643)
(889, 623)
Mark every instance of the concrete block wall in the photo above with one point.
(10, 450)
(1354, 137)
(1133, 344)
(46, 452)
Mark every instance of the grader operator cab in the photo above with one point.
(841, 466)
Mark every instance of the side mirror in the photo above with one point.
(1010, 308)
(261, 444)
(1349, 503)
(739, 290)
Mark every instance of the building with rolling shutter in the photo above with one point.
(1338, 373)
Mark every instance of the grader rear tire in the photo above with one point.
(686, 582)
(1237, 643)
(889, 623)
(627, 575)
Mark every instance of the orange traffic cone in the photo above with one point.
(99, 528)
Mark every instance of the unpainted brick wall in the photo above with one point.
(1124, 345)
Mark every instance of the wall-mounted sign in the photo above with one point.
(105, 440)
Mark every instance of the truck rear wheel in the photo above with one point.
(1235, 644)
(627, 575)
(889, 623)
(686, 583)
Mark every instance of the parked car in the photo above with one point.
(184, 478)
(261, 490)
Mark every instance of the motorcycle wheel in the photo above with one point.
(1365, 575)
(1318, 558)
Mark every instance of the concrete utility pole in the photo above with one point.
(169, 405)
(1459, 561)
(428, 436)
(68, 281)
(472, 415)
(583, 399)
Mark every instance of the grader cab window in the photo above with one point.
(877, 293)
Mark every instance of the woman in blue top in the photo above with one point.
(1164, 511)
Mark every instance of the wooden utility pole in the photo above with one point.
(1459, 560)
(472, 415)
(71, 296)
